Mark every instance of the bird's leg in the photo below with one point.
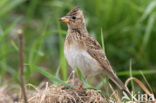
(73, 74)
(70, 75)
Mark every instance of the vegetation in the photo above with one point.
(127, 27)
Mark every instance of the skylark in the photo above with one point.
(83, 51)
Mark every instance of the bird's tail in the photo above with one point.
(116, 80)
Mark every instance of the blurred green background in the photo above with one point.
(129, 31)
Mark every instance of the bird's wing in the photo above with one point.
(95, 50)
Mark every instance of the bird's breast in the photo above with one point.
(80, 58)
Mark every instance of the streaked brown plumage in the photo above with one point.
(83, 51)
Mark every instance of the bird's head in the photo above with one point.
(74, 19)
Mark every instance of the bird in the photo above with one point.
(83, 51)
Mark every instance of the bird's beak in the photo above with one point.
(64, 19)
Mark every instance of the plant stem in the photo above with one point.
(21, 63)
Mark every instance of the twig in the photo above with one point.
(21, 62)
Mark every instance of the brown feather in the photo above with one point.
(95, 50)
(74, 11)
(78, 41)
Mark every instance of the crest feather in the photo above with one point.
(74, 11)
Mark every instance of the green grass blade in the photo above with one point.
(9, 28)
(14, 45)
(136, 72)
(148, 30)
(57, 71)
(35, 47)
(4, 47)
(38, 41)
(146, 81)
(102, 40)
(99, 85)
(12, 4)
(131, 75)
(63, 63)
(148, 10)
(82, 78)
(32, 7)
(51, 77)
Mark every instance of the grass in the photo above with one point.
(51, 77)
(124, 28)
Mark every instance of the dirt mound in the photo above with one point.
(62, 94)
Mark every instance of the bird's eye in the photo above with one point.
(73, 17)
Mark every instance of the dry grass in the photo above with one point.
(55, 93)
(62, 94)
(47, 93)
(5, 97)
